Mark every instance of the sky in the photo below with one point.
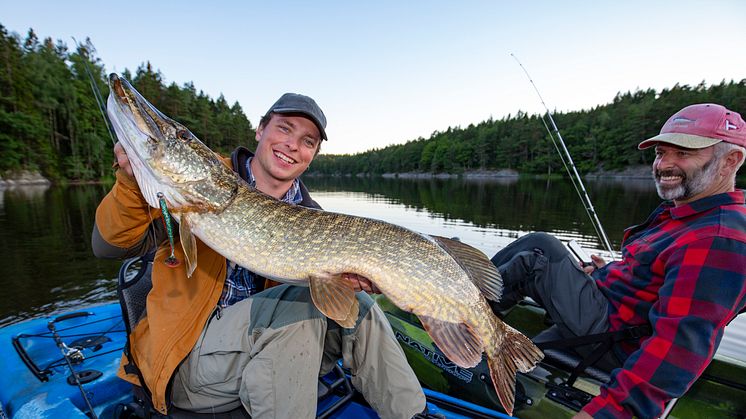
(387, 72)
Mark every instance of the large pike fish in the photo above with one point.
(444, 282)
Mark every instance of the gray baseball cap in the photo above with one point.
(290, 103)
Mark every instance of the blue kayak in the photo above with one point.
(39, 355)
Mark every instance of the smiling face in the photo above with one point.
(286, 146)
(685, 175)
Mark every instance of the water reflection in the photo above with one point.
(47, 265)
(46, 262)
(522, 205)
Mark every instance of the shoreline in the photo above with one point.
(630, 173)
(28, 178)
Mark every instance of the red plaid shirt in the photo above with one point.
(684, 272)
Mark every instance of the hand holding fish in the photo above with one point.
(360, 283)
(122, 161)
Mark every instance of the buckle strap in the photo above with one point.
(603, 341)
(632, 332)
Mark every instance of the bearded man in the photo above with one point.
(681, 277)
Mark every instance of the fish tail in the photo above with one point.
(515, 353)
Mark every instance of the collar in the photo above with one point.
(292, 196)
(707, 203)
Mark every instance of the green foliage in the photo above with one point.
(50, 119)
(605, 137)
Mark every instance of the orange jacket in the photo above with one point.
(178, 307)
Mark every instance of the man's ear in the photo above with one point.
(732, 160)
(258, 132)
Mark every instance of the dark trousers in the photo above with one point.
(539, 266)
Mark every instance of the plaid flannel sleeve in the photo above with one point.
(703, 290)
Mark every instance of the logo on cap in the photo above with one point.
(682, 120)
(729, 126)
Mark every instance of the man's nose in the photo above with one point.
(291, 143)
(663, 162)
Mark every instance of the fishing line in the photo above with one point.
(96, 92)
(67, 353)
(568, 164)
(99, 98)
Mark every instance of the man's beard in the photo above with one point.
(691, 184)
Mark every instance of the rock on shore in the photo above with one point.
(23, 177)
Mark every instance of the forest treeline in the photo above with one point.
(603, 138)
(50, 123)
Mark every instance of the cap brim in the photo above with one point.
(681, 140)
(305, 113)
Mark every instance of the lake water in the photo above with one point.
(47, 267)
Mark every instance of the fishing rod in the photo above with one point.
(96, 91)
(567, 162)
(71, 355)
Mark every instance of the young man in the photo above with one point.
(226, 338)
(682, 272)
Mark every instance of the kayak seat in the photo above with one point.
(133, 285)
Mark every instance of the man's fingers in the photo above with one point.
(360, 283)
(598, 261)
(122, 160)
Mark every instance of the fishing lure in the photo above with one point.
(170, 261)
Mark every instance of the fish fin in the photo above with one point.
(482, 272)
(515, 353)
(458, 341)
(333, 297)
(351, 320)
(188, 243)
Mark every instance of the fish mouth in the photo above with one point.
(143, 132)
(145, 116)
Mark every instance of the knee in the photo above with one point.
(544, 242)
(541, 239)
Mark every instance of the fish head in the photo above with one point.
(165, 155)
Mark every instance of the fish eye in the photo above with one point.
(184, 135)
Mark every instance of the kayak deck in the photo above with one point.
(37, 381)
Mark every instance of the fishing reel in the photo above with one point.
(74, 354)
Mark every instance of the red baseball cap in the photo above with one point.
(699, 126)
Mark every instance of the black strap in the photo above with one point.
(604, 342)
(632, 332)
